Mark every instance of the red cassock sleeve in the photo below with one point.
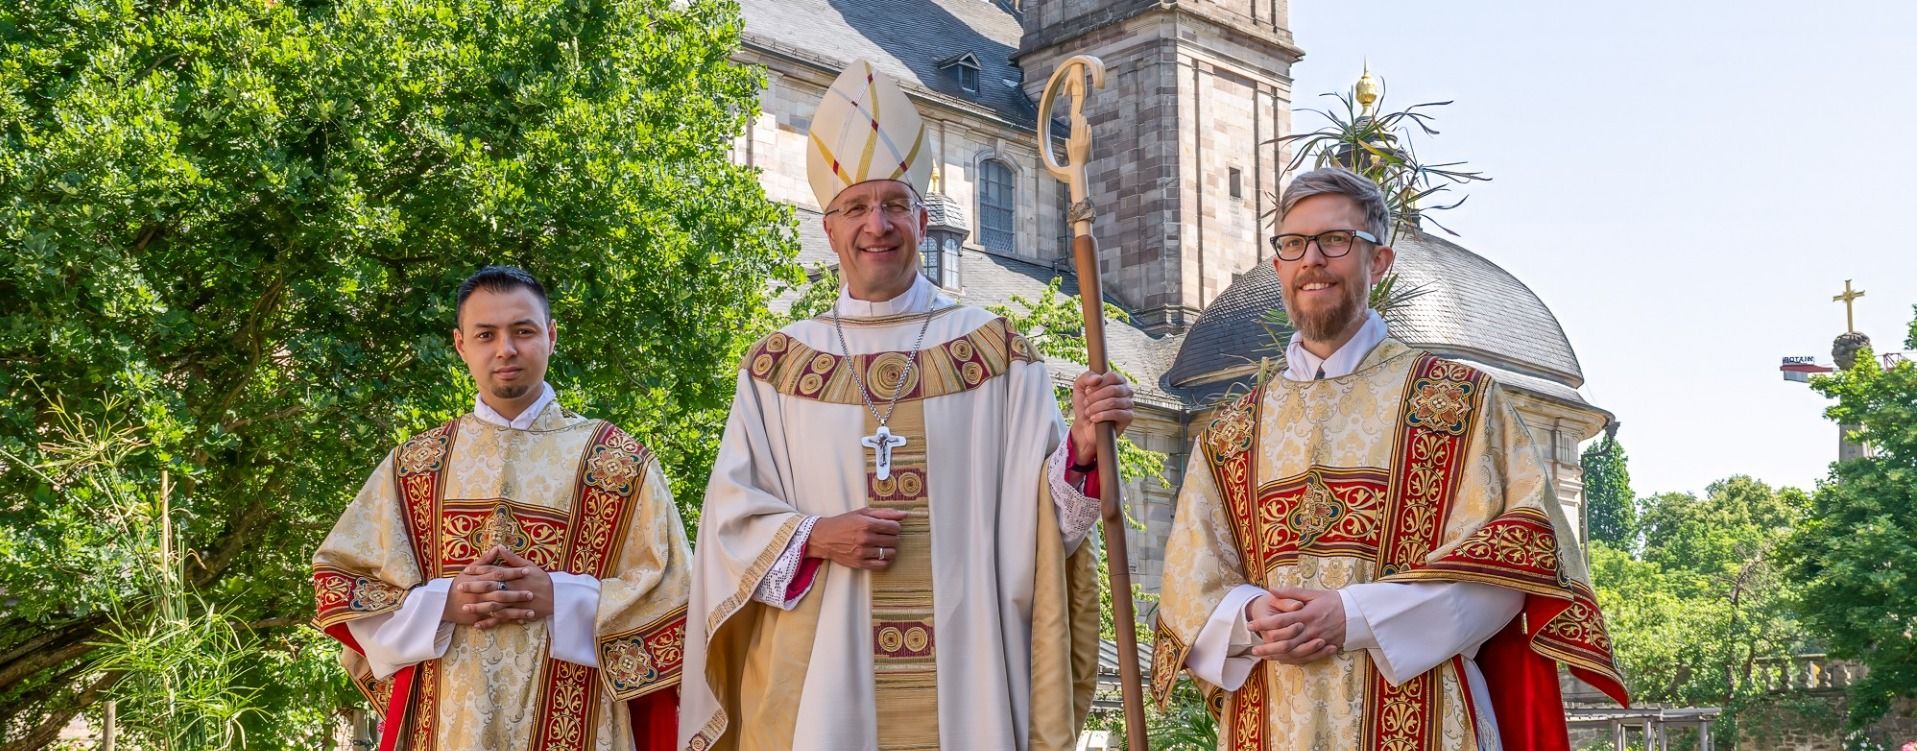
(1091, 478)
(1524, 684)
(655, 720)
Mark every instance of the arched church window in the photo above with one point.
(939, 259)
(995, 205)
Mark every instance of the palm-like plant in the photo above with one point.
(1359, 135)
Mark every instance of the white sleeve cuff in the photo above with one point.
(1221, 654)
(1418, 625)
(778, 579)
(413, 634)
(1357, 630)
(1077, 512)
(575, 615)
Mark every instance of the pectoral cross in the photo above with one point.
(1850, 320)
(882, 444)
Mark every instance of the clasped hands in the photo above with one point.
(1296, 626)
(499, 587)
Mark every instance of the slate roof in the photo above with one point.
(945, 211)
(905, 38)
(1474, 305)
(1472, 310)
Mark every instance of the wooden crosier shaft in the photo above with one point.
(1066, 79)
(1117, 562)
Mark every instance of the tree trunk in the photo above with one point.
(49, 729)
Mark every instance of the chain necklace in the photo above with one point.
(882, 441)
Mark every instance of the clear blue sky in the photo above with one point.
(1685, 184)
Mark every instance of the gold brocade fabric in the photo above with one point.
(570, 494)
(1412, 468)
(904, 665)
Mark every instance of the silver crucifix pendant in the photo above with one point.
(882, 444)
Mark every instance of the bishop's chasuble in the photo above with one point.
(1410, 469)
(982, 634)
(578, 497)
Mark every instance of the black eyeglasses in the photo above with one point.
(1332, 243)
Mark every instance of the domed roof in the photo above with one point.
(945, 212)
(1471, 308)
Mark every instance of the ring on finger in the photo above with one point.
(502, 586)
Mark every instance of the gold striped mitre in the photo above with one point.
(866, 129)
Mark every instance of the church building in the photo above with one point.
(1184, 174)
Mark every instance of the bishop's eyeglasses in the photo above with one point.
(1332, 243)
(896, 209)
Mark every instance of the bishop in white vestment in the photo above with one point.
(892, 551)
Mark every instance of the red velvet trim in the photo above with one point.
(345, 636)
(802, 581)
(1524, 684)
(655, 720)
(395, 720)
(1091, 489)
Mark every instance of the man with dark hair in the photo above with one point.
(516, 577)
(500, 279)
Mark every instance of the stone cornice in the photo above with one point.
(1120, 11)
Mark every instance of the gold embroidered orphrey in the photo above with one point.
(1394, 518)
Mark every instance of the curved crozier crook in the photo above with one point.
(1078, 144)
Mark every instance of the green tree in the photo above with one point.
(1608, 501)
(231, 232)
(1055, 326)
(1857, 551)
(1695, 612)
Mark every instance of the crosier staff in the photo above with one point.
(1070, 78)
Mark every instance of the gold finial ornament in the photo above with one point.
(1368, 89)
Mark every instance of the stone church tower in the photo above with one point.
(1185, 161)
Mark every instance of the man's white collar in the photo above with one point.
(524, 421)
(1302, 365)
(916, 299)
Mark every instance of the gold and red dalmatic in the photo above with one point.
(646, 659)
(444, 536)
(1396, 519)
(1441, 403)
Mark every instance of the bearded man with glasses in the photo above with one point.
(1367, 552)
